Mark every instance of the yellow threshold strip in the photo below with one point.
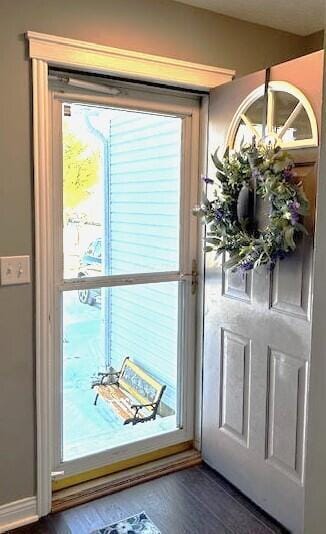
(73, 480)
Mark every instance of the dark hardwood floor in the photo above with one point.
(193, 501)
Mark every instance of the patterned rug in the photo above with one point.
(139, 523)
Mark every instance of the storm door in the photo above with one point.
(125, 176)
(258, 325)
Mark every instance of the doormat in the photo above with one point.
(139, 523)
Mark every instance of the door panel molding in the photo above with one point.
(291, 281)
(286, 400)
(235, 385)
(236, 286)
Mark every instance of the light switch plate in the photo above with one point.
(15, 270)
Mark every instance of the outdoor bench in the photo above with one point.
(132, 393)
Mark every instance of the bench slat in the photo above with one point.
(118, 400)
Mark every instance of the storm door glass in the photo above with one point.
(120, 287)
(138, 321)
(121, 191)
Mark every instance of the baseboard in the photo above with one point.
(18, 513)
(87, 491)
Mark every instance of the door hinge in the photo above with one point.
(194, 277)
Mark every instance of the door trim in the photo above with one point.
(136, 65)
(43, 279)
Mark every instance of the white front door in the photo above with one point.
(124, 180)
(256, 356)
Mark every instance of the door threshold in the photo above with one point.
(100, 487)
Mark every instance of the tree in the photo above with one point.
(80, 170)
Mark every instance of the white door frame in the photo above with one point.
(46, 50)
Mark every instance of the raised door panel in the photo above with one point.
(285, 412)
(291, 281)
(236, 286)
(235, 372)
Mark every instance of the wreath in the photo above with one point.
(264, 171)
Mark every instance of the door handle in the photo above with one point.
(193, 276)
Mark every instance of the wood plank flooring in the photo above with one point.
(193, 501)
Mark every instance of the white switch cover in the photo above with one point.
(15, 270)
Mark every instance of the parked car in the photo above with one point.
(91, 265)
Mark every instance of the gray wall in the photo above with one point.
(153, 26)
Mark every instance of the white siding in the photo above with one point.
(144, 183)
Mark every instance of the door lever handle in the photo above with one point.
(55, 474)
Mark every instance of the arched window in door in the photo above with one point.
(290, 119)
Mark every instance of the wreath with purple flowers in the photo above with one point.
(264, 171)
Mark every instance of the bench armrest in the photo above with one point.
(141, 419)
(140, 406)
